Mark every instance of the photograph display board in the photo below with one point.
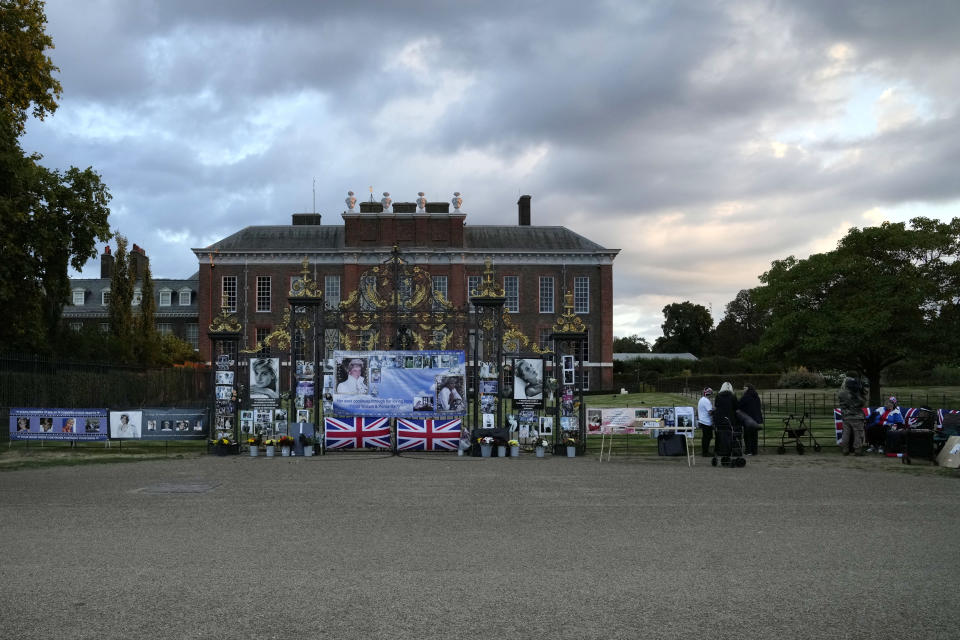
(58, 424)
(402, 384)
(163, 424)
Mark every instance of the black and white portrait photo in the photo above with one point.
(528, 379)
(265, 378)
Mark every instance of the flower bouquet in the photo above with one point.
(540, 445)
(571, 445)
(514, 448)
(254, 447)
(486, 445)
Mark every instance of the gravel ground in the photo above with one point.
(371, 546)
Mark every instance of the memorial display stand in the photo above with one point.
(569, 338)
(307, 331)
(486, 356)
(224, 334)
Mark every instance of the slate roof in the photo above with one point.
(92, 308)
(281, 238)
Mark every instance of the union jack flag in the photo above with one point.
(428, 435)
(357, 433)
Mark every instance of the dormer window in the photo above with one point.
(79, 297)
(185, 297)
(137, 297)
(165, 297)
(105, 297)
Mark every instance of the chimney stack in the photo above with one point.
(138, 262)
(106, 263)
(523, 208)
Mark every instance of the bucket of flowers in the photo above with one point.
(286, 444)
(540, 446)
(222, 446)
(571, 445)
(486, 445)
(271, 446)
(308, 443)
(514, 448)
(254, 447)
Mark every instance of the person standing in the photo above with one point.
(705, 421)
(725, 419)
(751, 405)
(851, 400)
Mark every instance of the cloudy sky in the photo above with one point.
(703, 139)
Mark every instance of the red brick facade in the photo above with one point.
(437, 241)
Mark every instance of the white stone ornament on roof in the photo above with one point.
(387, 202)
(351, 202)
(421, 202)
(457, 201)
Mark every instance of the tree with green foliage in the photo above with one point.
(686, 328)
(742, 325)
(148, 343)
(120, 310)
(867, 304)
(49, 220)
(26, 72)
(631, 344)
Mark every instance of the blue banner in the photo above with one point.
(159, 424)
(400, 384)
(58, 424)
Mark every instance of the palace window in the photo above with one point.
(441, 285)
(511, 288)
(546, 294)
(263, 293)
(229, 297)
(331, 291)
(581, 294)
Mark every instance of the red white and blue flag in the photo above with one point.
(357, 433)
(428, 435)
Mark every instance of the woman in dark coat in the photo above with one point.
(724, 418)
(750, 404)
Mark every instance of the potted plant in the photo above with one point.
(540, 446)
(271, 446)
(221, 446)
(254, 447)
(486, 446)
(571, 445)
(308, 443)
(514, 448)
(286, 444)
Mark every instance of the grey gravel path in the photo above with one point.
(366, 546)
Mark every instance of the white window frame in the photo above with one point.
(581, 294)
(264, 294)
(547, 294)
(137, 297)
(473, 282)
(442, 284)
(165, 328)
(76, 327)
(104, 327)
(192, 334)
(79, 297)
(105, 297)
(166, 298)
(228, 293)
(512, 302)
(189, 295)
(331, 291)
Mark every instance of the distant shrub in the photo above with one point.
(945, 375)
(800, 378)
(833, 377)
